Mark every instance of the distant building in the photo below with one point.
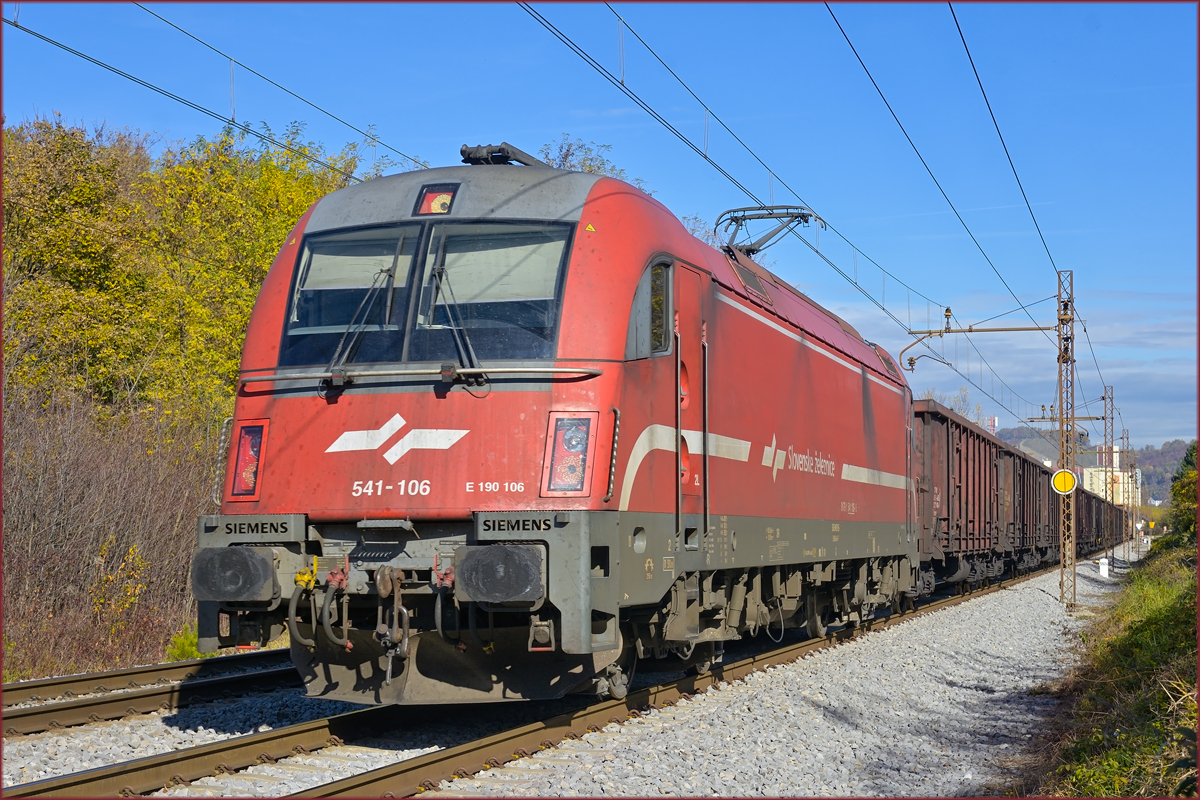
(1116, 485)
(992, 424)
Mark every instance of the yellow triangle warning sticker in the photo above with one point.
(590, 228)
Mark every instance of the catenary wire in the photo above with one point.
(566, 40)
(195, 106)
(986, 102)
(579, 51)
(927, 168)
(309, 103)
(762, 163)
(1013, 311)
(1029, 206)
(350, 176)
(783, 183)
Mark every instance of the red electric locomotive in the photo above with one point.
(502, 429)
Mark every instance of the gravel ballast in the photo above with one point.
(46, 755)
(942, 705)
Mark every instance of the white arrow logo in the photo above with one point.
(770, 454)
(416, 439)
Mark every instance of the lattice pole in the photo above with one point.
(1127, 490)
(1110, 523)
(1135, 534)
(1066, 433)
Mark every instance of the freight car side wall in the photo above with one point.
(977, 498)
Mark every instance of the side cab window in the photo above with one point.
(649, 320)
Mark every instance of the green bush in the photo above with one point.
(184, 646)
(1136, 689)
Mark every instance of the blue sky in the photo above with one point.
(1097, 103)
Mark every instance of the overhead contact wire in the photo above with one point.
(764, 164)
(1007, 155)
(837, 232)
(252, 71)
(579, 51)
(194, 106)
(1029, 206)
(928, 170)
(566, 40)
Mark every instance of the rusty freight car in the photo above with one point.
(985, 508)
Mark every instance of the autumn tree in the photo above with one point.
(697, 226)
(959, 403)
(128, 284)
(580, 156)
(1182, 515)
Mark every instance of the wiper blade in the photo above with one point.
(458, 327)
(354, 329)
(384, 277)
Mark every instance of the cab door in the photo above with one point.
(691, 409)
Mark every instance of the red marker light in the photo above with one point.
(568, 454)
(569, 460)
(436, 199)
(248, 461)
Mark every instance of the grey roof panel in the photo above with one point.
(505, 192)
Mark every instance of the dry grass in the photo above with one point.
(1135, 691)
(99, 526)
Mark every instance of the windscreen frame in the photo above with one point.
(416, 274)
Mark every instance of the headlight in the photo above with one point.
(569, 453)
(247, 462)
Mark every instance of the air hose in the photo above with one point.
(293, 628)
(305, 580)
(330, 591)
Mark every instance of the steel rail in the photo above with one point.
(133, 677)
(408, 777)
(114, 705)
(143, 775)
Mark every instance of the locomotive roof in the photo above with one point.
(512, 192)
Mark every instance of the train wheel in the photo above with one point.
(815, 626)
(705, 655)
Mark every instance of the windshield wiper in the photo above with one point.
(458, 328)
(354, 330)
(385, 277)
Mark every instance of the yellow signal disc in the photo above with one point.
(1063, 481)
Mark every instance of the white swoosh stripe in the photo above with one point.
(857, 370)
(662, 437)
(873, 476)
(366, 440)
(718, 446)
(424, 439)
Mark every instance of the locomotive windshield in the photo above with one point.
(497, 280)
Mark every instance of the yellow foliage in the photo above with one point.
(116, 589)
(133, 279)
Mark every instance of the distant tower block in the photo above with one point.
(992, 424)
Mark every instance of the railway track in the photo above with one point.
(330, 735)
(52, 703)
